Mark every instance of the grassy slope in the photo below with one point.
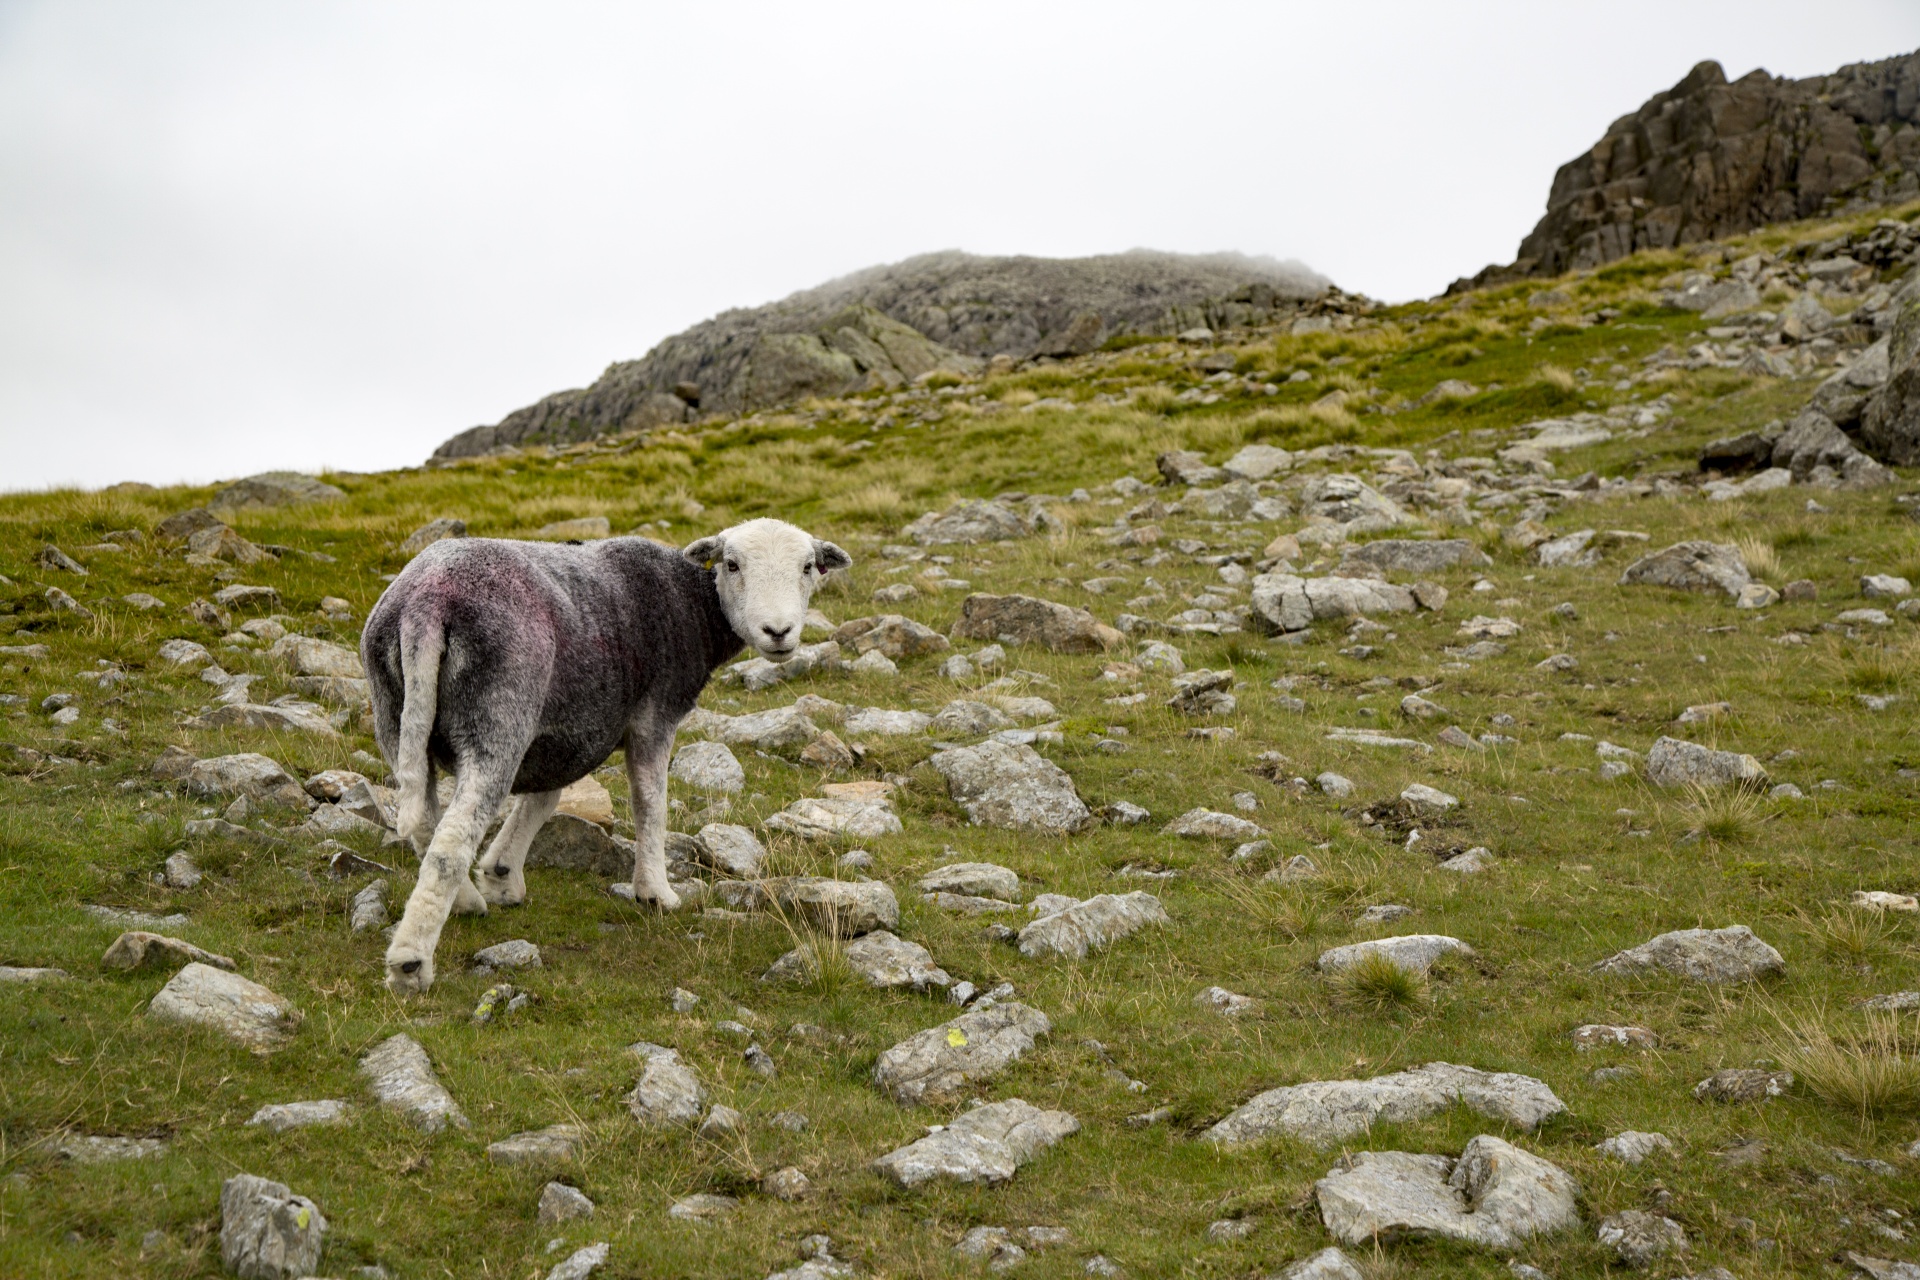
(1571, 884)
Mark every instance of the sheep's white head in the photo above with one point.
(766, 572)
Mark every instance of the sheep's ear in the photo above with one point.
(827, 557)
(704, 552)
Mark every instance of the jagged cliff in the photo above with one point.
(1709, 158)
(890, 324)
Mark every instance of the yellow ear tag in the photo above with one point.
(302, 1218)
(956, 1037)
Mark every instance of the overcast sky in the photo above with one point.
(236, 236)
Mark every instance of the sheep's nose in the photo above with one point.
(777, 634)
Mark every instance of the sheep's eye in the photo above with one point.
(733, 566)
(807, 567)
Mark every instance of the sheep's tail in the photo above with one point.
(421, 646)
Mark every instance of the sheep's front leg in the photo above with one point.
(647, 757)
(499, 873)
(443, 878)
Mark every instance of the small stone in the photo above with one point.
(721, 1122)
(517, 953)
(101, 1149)
(279, 1117)
(1640, 1239)
(1203, 824)
(1632, 1148)
(581, 1263)
(562, 1203)
(667, 1093)
(788, 1184)
(1423, 800)
(760, 1062)
(1224, 1002)
(1743, 1084)
(1496, 1195)
(1334, 785)
(682, 1000)
(554, 1144)
(137, 949)
(368, 909)
(703, 1207)
(1595, 1035)
(181, 873)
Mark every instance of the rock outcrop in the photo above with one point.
(887, 325)
(1709, 158)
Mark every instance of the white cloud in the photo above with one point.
(238, 236)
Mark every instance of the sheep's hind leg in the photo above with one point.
(647, 782)
(500, 873)
(477, 795)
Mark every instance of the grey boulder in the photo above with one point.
(1691, 566)
(202, 995)
(984, 1146)
(267, 1232)
(709, 767)
(1415, 952)
(1412, 555)
(846, 908)
(259, 778)
(1494, 1196)
(1725, 955)
(969, 520)
(1091, 925)
(937, 1066)
(879, 959)
(667, 1093)
(1675, 762)
(1016, 619)
(1641, 1239)
(569, 843)
(402, 1079)
(1281, 603)
(1012, 786)
(976, 879)
(1326, 1112)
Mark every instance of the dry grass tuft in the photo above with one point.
(1759, 555)
(1724, 817)
(1849, 936)
(1267, 908)
(1378, 985)
(1559, 379)
(1874, 1072)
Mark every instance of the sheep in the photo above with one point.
(520, 666)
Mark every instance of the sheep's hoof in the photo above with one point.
(662, 899)
(408, 974)
(467, 900)
(501, 888)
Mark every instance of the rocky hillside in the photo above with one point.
(1709, 159)
(1425, 790)
(888, 325)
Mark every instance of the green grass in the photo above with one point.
(1572, 879)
